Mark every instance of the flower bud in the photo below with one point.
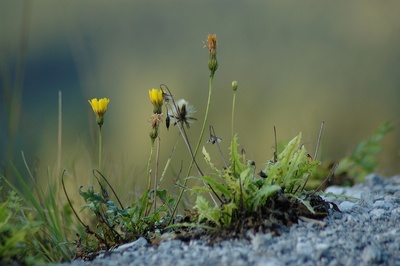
(153, 133)
(234, 85)
(212, 49)
(156, 98)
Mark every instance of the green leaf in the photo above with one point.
(236, 164)
(162, 194)
(363, 161)
(226, 214)
(304, 202)
(217, 186)
(205, 211)
(200, 189)
(207, 158)
(261, 196)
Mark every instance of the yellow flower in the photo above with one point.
(99, 108)
(156, 98)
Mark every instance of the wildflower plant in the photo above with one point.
(211, 45)
(246, 194)
(99, 108)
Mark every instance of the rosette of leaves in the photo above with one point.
(242, 191)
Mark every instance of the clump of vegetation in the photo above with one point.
(257, 202)
(352, 168)
(362, 160)
(47, 226)
(233, 197)
(115, 224)
(16, 230)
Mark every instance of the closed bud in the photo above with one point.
(234, 85)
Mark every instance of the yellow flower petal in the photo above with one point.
(99, 106)
(156, 97)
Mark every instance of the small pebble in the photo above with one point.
(346, 206)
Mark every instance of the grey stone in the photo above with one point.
(346, 206)
(371, 254)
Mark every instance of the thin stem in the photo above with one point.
(186, 139)
(203, 127)
(156, 174)
(316, 154)
(59, 142)
(215, 139)
(183, 132)
(169, 160)
(319, 140)
(109, 185)
(276, 147)
(210, 85)
(148, 174)
(233, 112)
(100, 146)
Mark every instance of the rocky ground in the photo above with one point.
(366, 232)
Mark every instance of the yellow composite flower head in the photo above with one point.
(99, 108)
(156, 98)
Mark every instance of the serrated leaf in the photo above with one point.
(236, 164)
(205, 211)
(200, 189)
(207, 158)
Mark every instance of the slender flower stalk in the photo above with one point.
(234, 87)
(100, 148)
(99, 108)
(156, 174)
(156, 98)
(148, 175)
(212, 66)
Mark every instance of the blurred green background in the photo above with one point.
(297, 63)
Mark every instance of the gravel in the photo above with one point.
(367, 232)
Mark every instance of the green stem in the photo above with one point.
(148, 175)
(156, 174)
(233, 112)
(100, 147)
(198, 144)
(204, 125)
(233, 115)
